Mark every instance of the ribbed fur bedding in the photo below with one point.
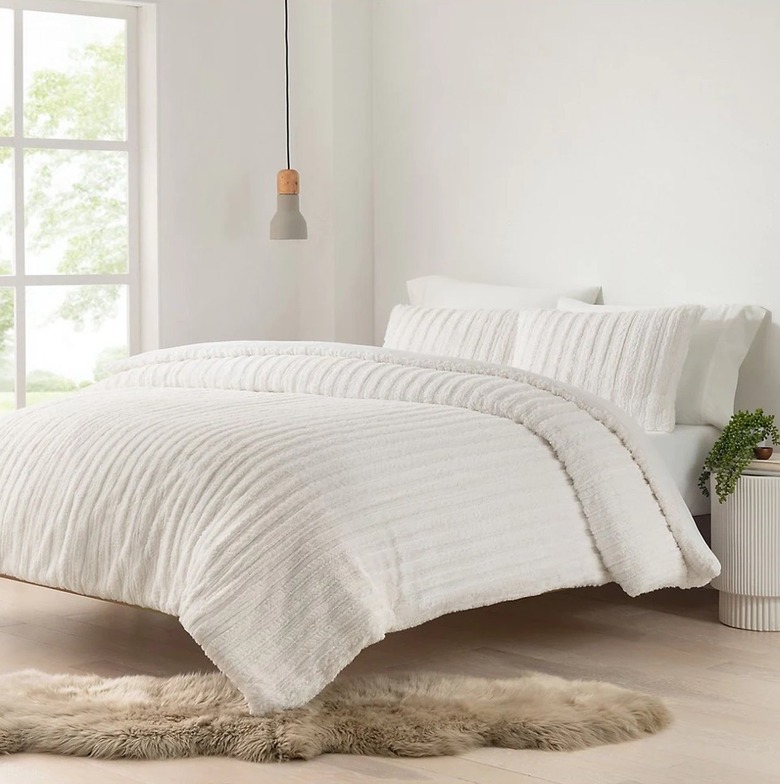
(293, 503)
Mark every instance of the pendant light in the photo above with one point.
(288, 223)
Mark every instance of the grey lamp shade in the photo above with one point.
(288, 223)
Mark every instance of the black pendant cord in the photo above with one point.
(287, 80)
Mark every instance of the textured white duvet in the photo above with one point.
(293, 503)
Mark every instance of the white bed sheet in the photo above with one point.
(683, 450)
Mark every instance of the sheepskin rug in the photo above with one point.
(412, 715)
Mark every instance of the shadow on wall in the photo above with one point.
(759, 377)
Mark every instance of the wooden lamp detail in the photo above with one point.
(288, 223)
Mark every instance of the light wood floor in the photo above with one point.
(723, 685)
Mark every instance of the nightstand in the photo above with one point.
(746, 540)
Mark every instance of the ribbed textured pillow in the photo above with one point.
(720, 343)
(634, 359)
(484, 335)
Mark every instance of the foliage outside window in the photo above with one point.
(65, 237)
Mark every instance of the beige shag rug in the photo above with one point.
(413, 715)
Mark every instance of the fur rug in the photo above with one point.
(413, 715)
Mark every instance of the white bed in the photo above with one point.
(292, 503)
(683, 451)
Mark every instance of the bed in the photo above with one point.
(293, 503)
(683, 452)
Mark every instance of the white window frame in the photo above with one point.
(20, 280)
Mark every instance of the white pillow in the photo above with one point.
(720, 342)
(632, 358)
(484, 335)
(436, 291)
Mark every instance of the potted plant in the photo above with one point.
(735, 448)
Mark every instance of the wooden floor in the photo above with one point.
(723, 685)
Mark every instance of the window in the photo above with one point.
(68, 195)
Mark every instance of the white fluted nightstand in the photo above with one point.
(746, 540)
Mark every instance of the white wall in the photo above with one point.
(628, 143)
(332, 87)
(353, 169)
(312, 150)
(220, 103)
(221, 141)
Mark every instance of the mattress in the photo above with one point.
(683, 450)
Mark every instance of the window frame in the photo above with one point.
(20, 280)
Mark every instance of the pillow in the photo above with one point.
(484, 335)
(436, 291)
(632, 358)
(720, 342)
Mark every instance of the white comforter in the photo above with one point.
(293, 503)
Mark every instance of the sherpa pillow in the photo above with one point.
(720, 342)
(633, 358)
(484, 335)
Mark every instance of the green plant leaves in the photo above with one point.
(732, 452)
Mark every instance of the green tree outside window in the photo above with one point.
(87, 223)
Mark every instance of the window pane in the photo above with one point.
(75, 212)
(7, 363)
(74, 76)
(73, 334)
(6, 71)
(6, 211)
